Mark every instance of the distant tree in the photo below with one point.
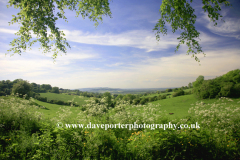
(169, 90)
(143, 101)
(114, 96)
(236, 90)
(5, 87)
(208, 89)
(17, 80)
(164, 96)
(136, 101)
(129, 97)
(184, 87)
(190, 85)
(22, 88)
(55, 90)
(46, 87)
(119, 97)
(175, 89)
(178, 93)
(151, 99)
(200, 78)
(198, 83)
(188, 92)
(227, 85)
(35, 87)
(232, 76)
(226, 89)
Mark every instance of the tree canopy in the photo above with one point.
(37, 16)
(227, 85)
(22, 88)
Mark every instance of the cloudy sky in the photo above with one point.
(122, 52)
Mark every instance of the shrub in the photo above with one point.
(151, 99)
(208, 89)
(143, 101)
(59, 102)
(187, 93)
(22, 88)
(164, 96)
(136, 101)
(43, 99)
(236, 90)
(168, 90)
(178, 93)
(55, 90)
(227, 85)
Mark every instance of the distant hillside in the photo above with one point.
(121, 91)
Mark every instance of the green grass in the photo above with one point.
(181, 104)
(50, 110)
(152, 95)
(177, 105)
(63, 97)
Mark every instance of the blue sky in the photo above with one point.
(122, 52)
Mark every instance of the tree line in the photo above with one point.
(227, 85)
(23, 87)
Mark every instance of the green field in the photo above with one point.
(177, 105)
(80, 100)
(181, 104)
(156, 94)
(53, 110)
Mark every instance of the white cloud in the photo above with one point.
(34, 64)
(172, 71)
(114, 65)
(229, 28)
(141, 39)
(4, 1)
(137, 38)
(10, 31)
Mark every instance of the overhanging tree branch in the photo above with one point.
(38, 16)
(180, 15)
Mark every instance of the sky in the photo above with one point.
(122, 52)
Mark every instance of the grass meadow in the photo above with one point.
(167, 93)
(64, 97)
(29, 131)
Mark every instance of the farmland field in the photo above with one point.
(64, 97)
(51, 110)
